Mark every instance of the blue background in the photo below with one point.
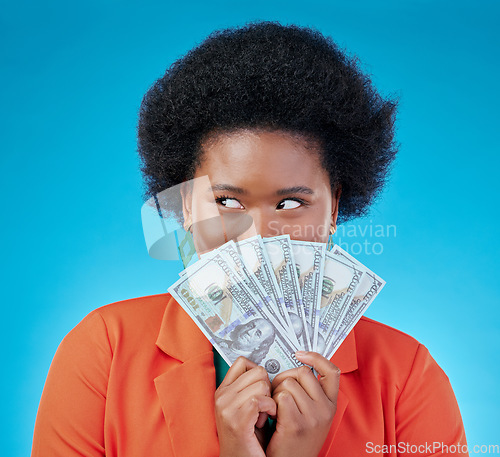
(72, 79)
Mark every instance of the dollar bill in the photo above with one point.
(292, 294)
(309, 261)
(230, 254)
(254, 256)
(280, 253)
(369, 287)
(231, 317)
(340, 282)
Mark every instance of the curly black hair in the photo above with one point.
(269, 76)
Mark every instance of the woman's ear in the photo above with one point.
(335, 206)
(187, 204)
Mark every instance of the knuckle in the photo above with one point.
(330, 410)
(314, 422)
(282, 396)
(304, 371)
(227, 417)
(264, 386)
(277, 379)
(239, 360)
(218, 397)
(220, 404)
(261, 372)
(253, 402)
(326, 415)
(334, 369)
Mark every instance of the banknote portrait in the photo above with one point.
(252, 340)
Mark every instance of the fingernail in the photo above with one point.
(301, 353)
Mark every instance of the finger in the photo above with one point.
(279, 378)
(287, 409)
(240, 366)
(292, 373)
(253, 407)
(305, 404)
(261, 421)
(329, 374)
(305, 377)
(254, 375)
(257, 389)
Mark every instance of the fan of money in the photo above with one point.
(266, 298)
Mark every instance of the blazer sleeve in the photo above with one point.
(70, 418)
(427, 413)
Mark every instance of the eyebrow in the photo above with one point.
(295, 190)
(280, 192)
(228, 188)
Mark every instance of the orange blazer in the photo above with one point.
(136, 379)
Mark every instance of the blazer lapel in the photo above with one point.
(186, 389)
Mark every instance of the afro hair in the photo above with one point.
(265, 75)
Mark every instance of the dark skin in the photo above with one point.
(277, 179)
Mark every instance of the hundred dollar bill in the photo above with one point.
(233, 320)
(340, 282)
(369, 287)
(230, 254)
(279, 250)
(338, 304)
(309, 260)
(254, 256)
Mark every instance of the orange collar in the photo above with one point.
(179, 337)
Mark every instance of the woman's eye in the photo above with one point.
(230, 203)
(288, 204)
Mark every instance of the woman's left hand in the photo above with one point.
(306, 407)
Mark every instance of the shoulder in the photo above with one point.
(372, 333)
(384, 351)
(139, 310)
(129, 321)
(411, 382)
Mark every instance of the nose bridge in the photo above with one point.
(262, 219)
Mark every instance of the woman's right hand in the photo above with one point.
(242, 403)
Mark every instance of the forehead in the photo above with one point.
(258, 160)
(264, 325)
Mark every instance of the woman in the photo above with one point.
(290, 133)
